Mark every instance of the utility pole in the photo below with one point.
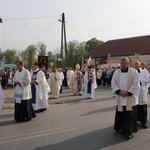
(62, 32)
(65, 41)
(63, 38)
(1, 21)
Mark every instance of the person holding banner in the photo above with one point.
(23, 108)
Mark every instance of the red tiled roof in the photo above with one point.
(123, 47)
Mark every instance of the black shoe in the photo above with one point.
(38, 111)
(129, 136)
(43, 109)
(28, 119)
(80, 94)
(19, 121)
(121, 132)
(144, 126)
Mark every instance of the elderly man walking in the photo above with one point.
(125, 84)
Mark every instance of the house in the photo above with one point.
(134, 48)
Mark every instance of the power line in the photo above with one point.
(48, 27)
(31, 18)
(76, 31)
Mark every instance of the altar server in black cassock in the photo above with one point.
(142, 97)
(22, 95)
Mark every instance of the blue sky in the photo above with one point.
(85, 19)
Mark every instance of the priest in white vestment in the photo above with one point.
(142, 97)
(22, 95)
(125, 84)
(2, 98)
(40, 89)
(90, 83)
(62, 78)
(69, 75)
(55, 83)
(76, 83)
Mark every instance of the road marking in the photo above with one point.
(35, 135)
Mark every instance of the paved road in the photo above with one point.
(76, 124)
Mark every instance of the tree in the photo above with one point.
(24, 56)
(11, 56)
(30, 55)
(76, 51)
(1, 55)
(41, 48)
(52, 59)
(92, 43)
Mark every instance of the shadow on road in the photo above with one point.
(6, 116)
(91, 141)
(100, 100)
(5, 123)
(100, 110)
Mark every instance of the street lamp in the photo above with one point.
(59, 60)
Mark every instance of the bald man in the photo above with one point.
(142, 97)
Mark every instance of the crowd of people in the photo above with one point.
(34, 87)
(6, 77)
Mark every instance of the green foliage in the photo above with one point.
(76, 51)
(1, 55)
(52, 60)
(92, 43)
(24, 56)
(11, 56)
(41, 48)
(30, 54)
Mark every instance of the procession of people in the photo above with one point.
(129, 84)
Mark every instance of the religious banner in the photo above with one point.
(43, 60)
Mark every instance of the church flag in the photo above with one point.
(89, 60)
(108, 59)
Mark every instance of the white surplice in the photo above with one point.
(144, 79)
(94, 85)
(61, 76)
(134, 89)
(42, 90)
(69, 76)
(2, 98)
(25, 79)
(55, 82)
